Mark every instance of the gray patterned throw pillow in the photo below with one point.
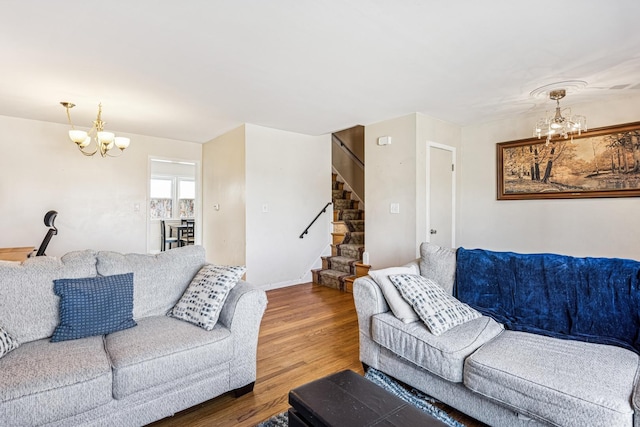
(202, 302)
(7, 342)
(437, 309)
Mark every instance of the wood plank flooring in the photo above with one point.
(307, 332)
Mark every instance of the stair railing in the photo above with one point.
(306, 230)
(348, 151)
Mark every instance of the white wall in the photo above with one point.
(291, 174)
(40, 170)
(398, 173)
(390, 177)
(579, 227)
(224, 184)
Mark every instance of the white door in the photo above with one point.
(441, 195)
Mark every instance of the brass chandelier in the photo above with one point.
(103, 140)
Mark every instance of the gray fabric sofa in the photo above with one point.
(127, 378)
(500, 377)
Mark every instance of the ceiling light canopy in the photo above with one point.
(104, 141)
(559, 126)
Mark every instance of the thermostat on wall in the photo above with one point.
(384, 140)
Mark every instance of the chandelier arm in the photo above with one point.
(111, 155)
(93, 129)
(87, 153)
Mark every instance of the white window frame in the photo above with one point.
(175, 196)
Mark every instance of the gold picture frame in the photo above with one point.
(603, 162)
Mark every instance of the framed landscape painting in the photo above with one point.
(603, 162)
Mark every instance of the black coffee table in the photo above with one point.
(348, 399)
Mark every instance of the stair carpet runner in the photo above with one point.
(339, 270)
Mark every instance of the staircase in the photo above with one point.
(345, 263)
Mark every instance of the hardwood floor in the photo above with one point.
(307, 332)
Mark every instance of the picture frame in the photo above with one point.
(602, 162)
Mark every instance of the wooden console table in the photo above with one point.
(15, 254)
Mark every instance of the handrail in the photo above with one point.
(349, 152)
(306, 230)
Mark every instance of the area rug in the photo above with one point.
(414, 397)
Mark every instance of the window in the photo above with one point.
(167, 192)
(172, 190)
(161, 198)
(186, 197)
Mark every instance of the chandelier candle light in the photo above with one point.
(558, 125)
(105, 141)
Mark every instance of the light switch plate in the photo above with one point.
(394, 208)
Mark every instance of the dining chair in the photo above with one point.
(170, 240)
(187, 237)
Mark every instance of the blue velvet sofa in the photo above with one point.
(557, 343)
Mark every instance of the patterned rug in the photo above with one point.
(414, 397)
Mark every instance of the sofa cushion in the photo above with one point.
(442, 355)
(438, 264)
(437, 309)
(7, 342)
(43, 381)
(158, 280)
(563, 382)
(162, 349)
(28, 306)
(400, 308)
(202, 302)
(94, 306)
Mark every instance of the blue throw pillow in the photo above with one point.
(94, 306)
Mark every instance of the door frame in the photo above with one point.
(198, 204)
(431, 145)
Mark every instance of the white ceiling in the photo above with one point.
(194, 69)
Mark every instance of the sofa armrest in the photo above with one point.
(242, 313)
(415, 264)
(369, 301)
